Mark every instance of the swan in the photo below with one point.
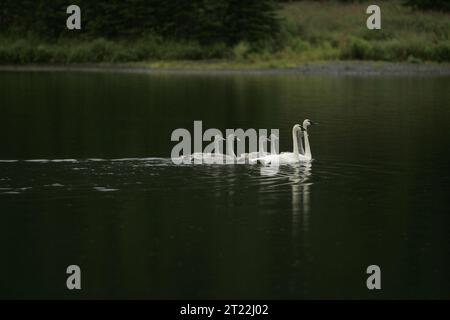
(217, 157)
(197, 157)
(299, 153)
(230, 156)
(250, 157)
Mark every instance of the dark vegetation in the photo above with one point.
(276, 33)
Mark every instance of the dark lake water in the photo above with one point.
(376, 193)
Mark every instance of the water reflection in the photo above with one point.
(294, 182)
(299, 178)
(300, 197)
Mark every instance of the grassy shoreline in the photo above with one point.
(361, 68)
(310, 32)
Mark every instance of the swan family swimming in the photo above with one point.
(299, 153)
(301, 149)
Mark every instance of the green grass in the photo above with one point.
(311, 31)
(31, 50)
(318, 31)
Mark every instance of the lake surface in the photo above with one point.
(376, 193)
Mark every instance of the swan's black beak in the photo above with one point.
(312, 122)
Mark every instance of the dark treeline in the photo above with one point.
(440, 5)
(423, 4)
(206, 21)
(443, 5)
(263, 32)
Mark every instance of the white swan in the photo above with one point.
(230, 156)
(200, 156)
(299, 153)
(217, 157)
(244, 157)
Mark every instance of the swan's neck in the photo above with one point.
(230, 147)
(295, 140)
(217, 146)
(307, 146)
(262, 144)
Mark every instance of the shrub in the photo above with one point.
(356, 48)
(241, 50)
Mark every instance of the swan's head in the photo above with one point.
(274, 137)
(307, 123)
(232, 136)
